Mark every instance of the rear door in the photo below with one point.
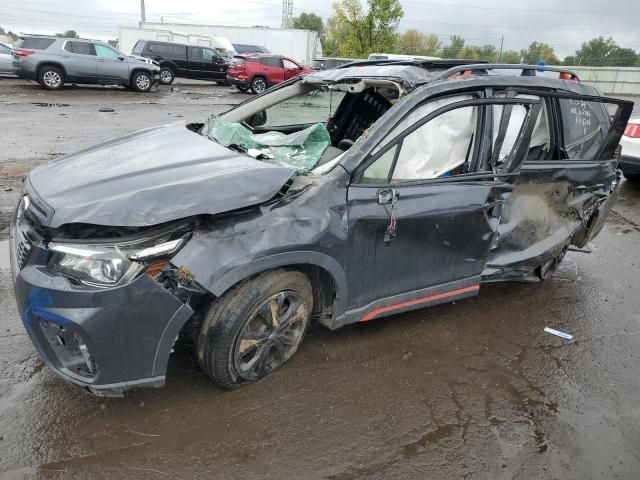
(567, 183)
(80, 63)
(196, 62)
(111, 67)
(272, 70)
(422, 210)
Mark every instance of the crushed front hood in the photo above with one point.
(150, 177)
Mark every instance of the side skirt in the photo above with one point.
(415, 300)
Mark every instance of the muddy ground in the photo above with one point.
(471, 390)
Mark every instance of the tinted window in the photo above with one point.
(158, 49)
(80, 48)
(195, 53)
(36, 43)
(4, 49)
(176, 51)
(103, 51)
(585, 125)
(272, 62)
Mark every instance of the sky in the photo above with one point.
(563, 24)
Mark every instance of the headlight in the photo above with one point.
(108, 265)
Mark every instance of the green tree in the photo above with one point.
(475, 52)
(413, 42)
(454, 48)
(68, 34)
(511, 56)
(353, 31)
(599, 52)
(308, 21)
(539, 51)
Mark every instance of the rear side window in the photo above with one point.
(272, 62)
(36, 43)
(177, 52)
(80, 48)
(137, 49)
(584, 128)
(5, 50)
(158, 49)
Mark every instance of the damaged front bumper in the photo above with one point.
(105, 339)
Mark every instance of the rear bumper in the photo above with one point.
(630, 165)
(105, 339)
(237, 82)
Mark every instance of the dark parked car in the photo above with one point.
(242, 48)
(181, 60)
(54, 61)
(339, 197)
(259, 72)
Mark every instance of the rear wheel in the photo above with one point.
(141, 82)
(51, 77)
(255, 328)
(167, 76)
(258, 84)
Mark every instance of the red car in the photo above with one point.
(258, 72)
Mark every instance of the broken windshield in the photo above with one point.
(304, 125)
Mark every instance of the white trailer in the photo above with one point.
(299, 45)
(129, 36)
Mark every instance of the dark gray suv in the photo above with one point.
(343, 196)
(54, 61)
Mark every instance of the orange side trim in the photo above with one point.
(377, 311)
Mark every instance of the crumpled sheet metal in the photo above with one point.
(300, 150)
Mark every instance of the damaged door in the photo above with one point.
(423, 209)
(567, 183)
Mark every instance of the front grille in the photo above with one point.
(24, 244)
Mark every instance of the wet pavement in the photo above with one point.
(474, 389)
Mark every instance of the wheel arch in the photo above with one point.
(324, 272)
(139, 69)
(51, 63)
(169, 64)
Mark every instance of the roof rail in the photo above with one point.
(442, 63)
(527, 70)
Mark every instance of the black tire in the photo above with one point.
(635, 178)
(258, 84)
(51, 78)
(167, 75)
(242, 88)
(222, 82)
(141, 81)
(245, 315)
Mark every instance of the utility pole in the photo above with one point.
(501, 45)
(142, 13)
(287, 13)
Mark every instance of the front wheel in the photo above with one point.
(255, 328)
(258, 85)
(141, 82)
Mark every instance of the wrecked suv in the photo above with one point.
(341, 197)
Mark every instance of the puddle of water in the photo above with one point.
(5, 263)
(50, 105)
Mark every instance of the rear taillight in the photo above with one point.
(23, 53)
(632, 130)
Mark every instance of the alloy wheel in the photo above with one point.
(271, 335)
(52, 79)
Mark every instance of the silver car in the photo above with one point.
(54, 61)
(5, 59)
